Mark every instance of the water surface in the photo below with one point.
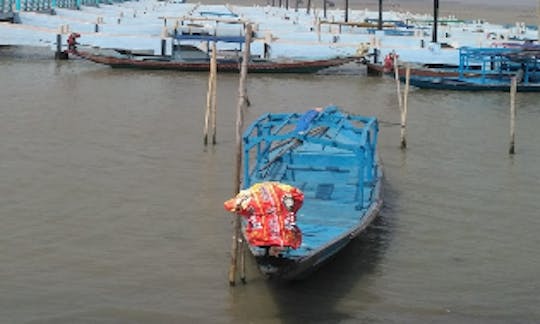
(111, 207)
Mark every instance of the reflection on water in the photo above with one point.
(324, 298)
(111, 208)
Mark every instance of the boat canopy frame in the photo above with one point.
(499, 62)
(180, 37)
(272, 130)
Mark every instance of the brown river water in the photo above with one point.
(111, 206)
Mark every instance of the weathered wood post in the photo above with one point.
(513, 90)
(396, 76)
(210, 96)
(213, 68)
(59, 54)
(405, 108)
(59, 42)
(242, 102)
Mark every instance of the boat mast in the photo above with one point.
(435, 19)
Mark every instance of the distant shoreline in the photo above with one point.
(498, 12)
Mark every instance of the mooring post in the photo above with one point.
(210, 93)
(405, 108)
(513, 90)
(213, 68)
(242, 254)
(242, 102)
(59, 54)
(59, 42)
(396, 76)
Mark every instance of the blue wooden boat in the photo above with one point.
(497, 67)
(470, 84)
(332, 157)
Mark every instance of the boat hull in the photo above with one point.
(222, 66)
(379, 69)
(291, 269)
(335, 164)
(456, 84)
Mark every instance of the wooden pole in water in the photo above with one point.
(242, 102)
(209, 97)
(513, 90)
(396, 76)
(404, 111)
(213, 68)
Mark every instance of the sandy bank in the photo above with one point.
(495, 11)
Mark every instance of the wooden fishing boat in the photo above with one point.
(435, 70)
(498, 67)
(430, 70)
(471, 84)
(255, 65)
(331, 156)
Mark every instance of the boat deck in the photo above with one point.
(331, 157)
(331, 206)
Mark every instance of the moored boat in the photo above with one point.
(498, 67)
(255, 65)
(331, 157)
(470, 84)
(415, 70)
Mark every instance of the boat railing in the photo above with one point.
(497, 64)
(273, 132)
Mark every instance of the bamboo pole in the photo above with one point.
(209, 97)
(398, 87)
(405, 108)
(513, 90)
(242, 101)
(213, 68)
(242, 253)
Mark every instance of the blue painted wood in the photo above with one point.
(497, 67)
(334, 162)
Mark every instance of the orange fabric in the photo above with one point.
(270, 209)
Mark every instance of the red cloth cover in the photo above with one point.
(270, 209)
